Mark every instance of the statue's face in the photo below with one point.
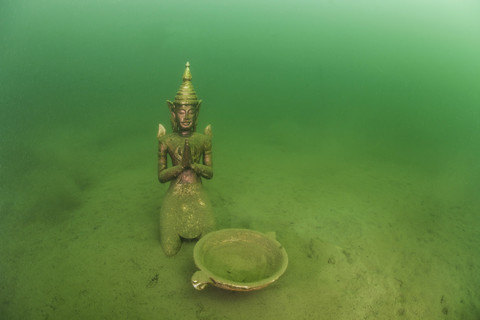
(185, 116)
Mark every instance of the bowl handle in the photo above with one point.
(200, 280)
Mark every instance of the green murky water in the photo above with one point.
(351, 128)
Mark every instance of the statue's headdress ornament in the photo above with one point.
(186, 94)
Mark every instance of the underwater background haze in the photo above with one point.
(350, 128)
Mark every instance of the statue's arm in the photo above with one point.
(166, 174)
(205, 170)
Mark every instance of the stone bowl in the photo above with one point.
(238, 259)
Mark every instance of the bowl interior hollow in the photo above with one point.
(240, 256)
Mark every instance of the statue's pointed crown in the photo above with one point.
(186, 94)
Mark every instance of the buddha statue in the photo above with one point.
(186, 212)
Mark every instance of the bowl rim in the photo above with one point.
(222, 282)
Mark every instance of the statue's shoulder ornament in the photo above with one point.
(208, 137)
(208, 131)
(161, 132)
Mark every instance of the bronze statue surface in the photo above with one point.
(186, 211)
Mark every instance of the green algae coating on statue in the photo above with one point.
(186, 211)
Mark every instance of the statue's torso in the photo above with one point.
(175, 144)
(186, 208)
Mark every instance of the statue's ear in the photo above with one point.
(198, 105)
(171, 106)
